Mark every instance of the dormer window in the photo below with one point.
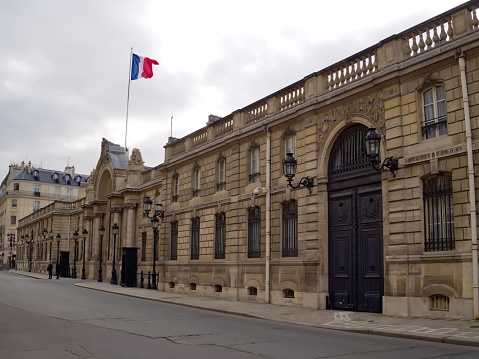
(55, 177)
(68, 178)
(78, 180)
(36, 175)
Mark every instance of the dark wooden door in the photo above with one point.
(355, 242)
(355, 226)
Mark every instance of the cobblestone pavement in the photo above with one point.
(463, 332)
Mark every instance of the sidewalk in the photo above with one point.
(463, 332)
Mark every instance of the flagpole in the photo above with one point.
(128, 97)
(171, 125)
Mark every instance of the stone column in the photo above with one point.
(130, 225)
(95, 237)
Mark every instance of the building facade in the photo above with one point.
(366, 236)
(25, 190)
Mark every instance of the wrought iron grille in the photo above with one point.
(220, 236)
(254, 177)
(290, 229)
(221, 186)
(174, 241)
(143, 246)
(434, 128)
(349, 152)
(438, 214)
(254, 233)
(195, 238)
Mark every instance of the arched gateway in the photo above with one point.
(355, 226)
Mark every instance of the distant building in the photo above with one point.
(394, 233)
(25, 190)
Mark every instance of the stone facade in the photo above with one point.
(399, 242)
(26, 189)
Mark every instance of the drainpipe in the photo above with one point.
(472, 186)
(268, 215)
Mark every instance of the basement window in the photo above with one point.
(252, 291)
(172, 284)
(288, 293)
(439, 302)
(218, 288)
(192, 286)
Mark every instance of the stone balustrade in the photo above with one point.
(417, 41)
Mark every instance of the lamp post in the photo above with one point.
(58, 237)
(154, 224)
(85, 235)
(101, 231)
(155, 221)
(51, 245)
(28, 241)
(289, 170)
(114, 230)
(75, 238)
(372, 141)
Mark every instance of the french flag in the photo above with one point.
(142, 67)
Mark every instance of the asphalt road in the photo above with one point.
(54, 319)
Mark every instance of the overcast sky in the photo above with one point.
(65, 65)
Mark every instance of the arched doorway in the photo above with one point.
(355, 226)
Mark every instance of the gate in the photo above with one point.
(129, 266)
(355, 226)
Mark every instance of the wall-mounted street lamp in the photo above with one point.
(289, 170)
(155, 222)
(114, 231)
(101, 231)
(85, 236)
(372, 142)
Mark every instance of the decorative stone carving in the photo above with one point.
(371, 107)
(136, 159)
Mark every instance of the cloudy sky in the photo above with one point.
(65, 65)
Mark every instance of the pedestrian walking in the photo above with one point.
(50, 270)
(57, 269)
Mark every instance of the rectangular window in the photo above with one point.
(69, 193)
(434, 112)
(36, 191)
(290, 229)
(176, 188)
(254, 174)
(13, 219)
(143, 246)
(254, 233)
(195, 238)
(174, 241)
(220, 235)
(58, 192)
(16, 186)
(221, 184)
(438, 214)
(196, 182)
(14, 203)
(36, 206)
